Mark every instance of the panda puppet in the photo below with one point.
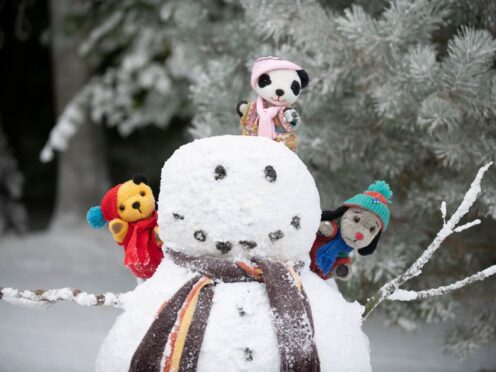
(278, 84)
(363, 218)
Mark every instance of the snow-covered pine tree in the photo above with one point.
(402, 90)
(12, 213)
(139, 76)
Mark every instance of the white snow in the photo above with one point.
(66, 337)
(405, 295)
(467, 225)
(244, 205)
(46, 298)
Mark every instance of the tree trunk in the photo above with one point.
(82, 171)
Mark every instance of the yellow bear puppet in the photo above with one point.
(129, 209)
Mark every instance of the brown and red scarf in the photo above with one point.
(173, 341)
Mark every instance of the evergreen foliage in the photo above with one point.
(402, 90)
(405, 94)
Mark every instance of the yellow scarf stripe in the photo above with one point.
(296, 277)
(254, 271)
(181, 328)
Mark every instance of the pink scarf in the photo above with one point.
(266, 126)
(263, 65)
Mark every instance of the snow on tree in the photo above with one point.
(128, 45)
(391, 289)
(400, 90)
(41, 298)
(12, 213)
(404, 92)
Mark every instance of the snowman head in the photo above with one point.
(238, 197)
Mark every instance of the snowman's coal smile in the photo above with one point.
(223, 247)
(226, 246)
(276, 235)
(247, 244)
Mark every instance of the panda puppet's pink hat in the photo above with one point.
(277, 83)
(267, 64)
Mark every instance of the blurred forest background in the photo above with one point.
(92, 92)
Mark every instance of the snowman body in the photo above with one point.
(235, 198)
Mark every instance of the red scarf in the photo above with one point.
(142, 252)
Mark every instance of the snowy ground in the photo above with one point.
(66, 337)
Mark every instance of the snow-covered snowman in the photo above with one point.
(237, 216)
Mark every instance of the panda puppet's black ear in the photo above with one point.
(365, 251)
(303, 77)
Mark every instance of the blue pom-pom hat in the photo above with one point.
(95, 218)
(375, 199)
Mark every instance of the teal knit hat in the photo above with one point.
(375, 199)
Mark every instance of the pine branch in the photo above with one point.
(403, 295)
(43, 298)
(73, 116)
(416, 268)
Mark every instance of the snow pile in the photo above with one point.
(240, 333)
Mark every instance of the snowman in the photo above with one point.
(234, 292)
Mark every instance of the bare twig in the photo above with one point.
(402, 295)
(43, 298)
(449, 227)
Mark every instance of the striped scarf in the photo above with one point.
(173, 341)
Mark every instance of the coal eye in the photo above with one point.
(372, 229)
(121, 207)
(264, 80)
(296, 222)
(142, 193)
(356, 219)
(177, 216)
(295, 87)
(200, 235)
(276, 235)
(270, 173)
(220, 172)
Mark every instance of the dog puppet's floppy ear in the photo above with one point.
(140, 178)
(332, 215)
(365, 251)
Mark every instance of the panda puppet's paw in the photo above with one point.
(241, 108)
(292, 117)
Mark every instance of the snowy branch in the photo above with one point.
(449, 227)
(42, 298)
(402, 295)
(73, 116)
